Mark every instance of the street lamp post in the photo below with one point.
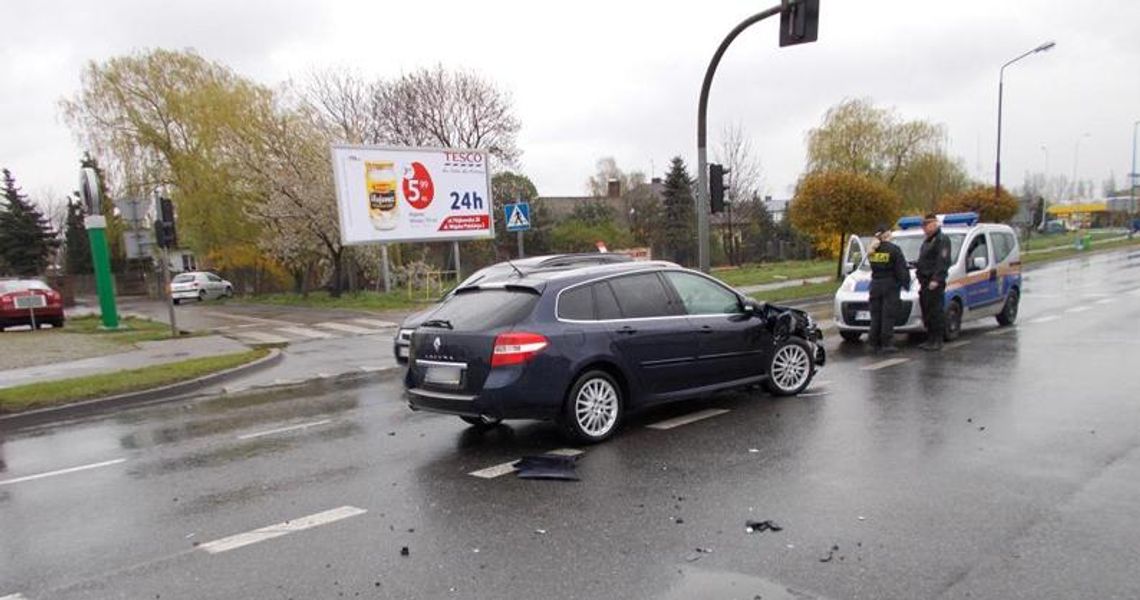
(1001, 84)
(1076, 155)
(1132, 174)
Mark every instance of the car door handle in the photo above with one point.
(706, 329)
(627, 330)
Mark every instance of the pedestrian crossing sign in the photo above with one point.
(518, 216)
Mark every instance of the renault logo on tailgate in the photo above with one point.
(436, 344)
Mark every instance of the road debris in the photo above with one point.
(405, 551)
(548, 466)
(761, 526)
(697, 553)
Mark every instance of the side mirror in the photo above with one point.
(980, 263)
(751, 307)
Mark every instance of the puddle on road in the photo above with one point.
(700, 583)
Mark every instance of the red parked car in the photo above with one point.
(12, 302)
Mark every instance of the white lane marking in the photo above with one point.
(821, 382)
(13, 597)
(811, 394)
(98, 465)
(250, 436)
(1097, 295)
(260, 337)
(958, 344)
(1079, 309)
(306, 332)
(375, 323)
(1105, 301)
(248, 319)
(686, 419)
(1002, 331)
(345, 327)
(509, 467)
(267, 533)
(890, 362)
(1048, 319)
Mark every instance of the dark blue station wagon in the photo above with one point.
(583, 347)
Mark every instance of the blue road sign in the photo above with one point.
(518, 216)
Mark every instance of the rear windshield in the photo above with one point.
(183, 278)
(20, 285)
(477, 310)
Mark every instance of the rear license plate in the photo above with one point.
(862, 315)
(443, 375)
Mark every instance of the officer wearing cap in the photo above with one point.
(889, 274)
(932, 267)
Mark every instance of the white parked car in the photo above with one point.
(199, 285)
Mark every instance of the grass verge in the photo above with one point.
(799, 292)
(364, 300)
(775, 272)
(1043, 241)
(64, 391)
(1044, 257)
(135, 329)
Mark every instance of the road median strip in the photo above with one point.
(50, 394)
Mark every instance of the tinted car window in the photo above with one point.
(641, 296)
(701, 296)
(978, 249)
(476, 309)
(184, 278)
(911, 245)
(577, 304)
(605, 303)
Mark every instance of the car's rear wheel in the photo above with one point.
(56, 323)
(202, 296)
(593, 408)
(851, 336)
(790, 369)
(481, 422)
(177, 300)
(953, 321)
(1008, 313)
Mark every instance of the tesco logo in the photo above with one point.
(464, 157)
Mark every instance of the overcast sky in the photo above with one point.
(605, 78)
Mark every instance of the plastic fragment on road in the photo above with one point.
(548, 466)
(405, 551)
(761, 526)
(697, 553)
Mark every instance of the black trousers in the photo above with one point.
(933, 310)
(884, 310)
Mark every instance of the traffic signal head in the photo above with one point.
(799, 22)
(716, 188)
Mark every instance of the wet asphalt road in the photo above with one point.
(1006, 467)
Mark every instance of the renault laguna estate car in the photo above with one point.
(585, 346)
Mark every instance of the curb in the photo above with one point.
(167, 392)
(315, 384)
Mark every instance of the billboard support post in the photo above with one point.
(384, 268)
(458, 271)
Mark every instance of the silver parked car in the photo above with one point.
(199, 285)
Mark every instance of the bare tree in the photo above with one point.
(344, 106)
(437, 107)
(735, 153)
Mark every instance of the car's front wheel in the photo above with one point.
(593, 408)
(1008, 312)
(202, 296)
(790, 368)
(229, 293)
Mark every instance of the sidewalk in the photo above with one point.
(767, 287)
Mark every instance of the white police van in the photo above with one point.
(984, 280)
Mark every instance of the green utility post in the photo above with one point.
(96, 225)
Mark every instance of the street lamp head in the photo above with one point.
(1045, 46)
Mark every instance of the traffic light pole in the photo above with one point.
(702, 137)
(169, 292)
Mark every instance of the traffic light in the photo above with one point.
(717, 187)
(164, 233)
(799, 22)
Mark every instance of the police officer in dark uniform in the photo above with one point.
(889, 274)
(932, 268)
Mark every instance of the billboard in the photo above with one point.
(389, 195)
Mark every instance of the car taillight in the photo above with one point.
(517, 348)
(6, 300)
